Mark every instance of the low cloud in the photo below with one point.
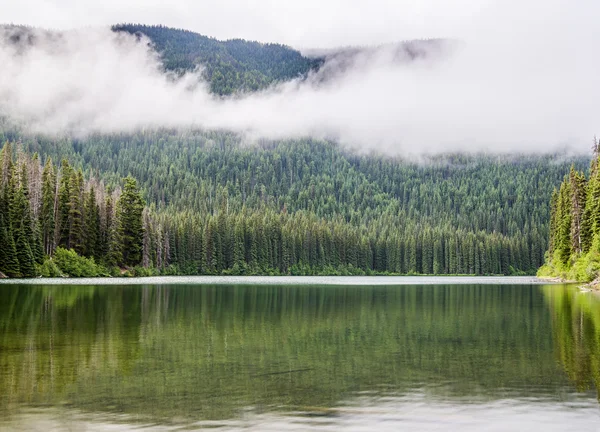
(530, 87)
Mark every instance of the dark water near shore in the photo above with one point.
(182, 354)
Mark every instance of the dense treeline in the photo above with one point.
(192, 169)
(574, 246)
(229, 66)
(305, 207)
(51, 210)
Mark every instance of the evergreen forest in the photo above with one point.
(230, 66)
(192, 201)
(574, 247)
(198, 202)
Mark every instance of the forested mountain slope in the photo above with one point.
(237, 66)
(209, 202)
(229, 66)
(444, 214)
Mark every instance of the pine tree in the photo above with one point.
(578, 199)
(75, 215)
(9, 263)
(21, 228)
(91, 219)
(554, 222)
(3, 242)
(47, 211)
(129, 212)
(563, 244)
(147, 242)
(24, 255)
(62, 230)
(37, 248)
(114, 254)
(209, 248)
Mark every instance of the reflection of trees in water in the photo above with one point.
(207, 351)
(53, 336)
(576, 331)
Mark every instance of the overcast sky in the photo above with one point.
(303, 24)
(525, 77)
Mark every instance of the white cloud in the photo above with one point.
(307, 23)
(524, 78)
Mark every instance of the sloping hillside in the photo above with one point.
(229, 66)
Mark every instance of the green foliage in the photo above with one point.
(216, 206)
(62, 216)
(91, 219)
(71, 264)
(24, 255)
(9, 265)
(75, 239)
(574, 252)
(129, 212)
(49, 269)
(229, 66)
(34, 218)
(140, 271)
(47, 216)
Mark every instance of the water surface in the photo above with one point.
(299, 353)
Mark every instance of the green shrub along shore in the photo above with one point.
(574, 247)
(67, 263)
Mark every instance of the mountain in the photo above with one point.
(238, 65)
(216, 205)
(229, 66)
(192, 201)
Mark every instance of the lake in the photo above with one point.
(272, 354)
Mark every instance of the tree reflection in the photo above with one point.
(576, 332)
(209, 352)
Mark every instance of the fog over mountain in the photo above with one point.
(520, 77)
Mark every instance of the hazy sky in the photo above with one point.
(524, 79)
(306, 23)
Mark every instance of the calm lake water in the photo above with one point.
(299, 354)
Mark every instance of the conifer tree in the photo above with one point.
(578, 199)
(91, 218)
(24, 255)
(252, 220)
(9, 263)
(62, 230)
(554, 222)
(37, 248)
(3, 242)
(21, 227)
(75, 216)
(114, 254)
(47, 221)
(130, 224)
(563, 242)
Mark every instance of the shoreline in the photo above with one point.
(285, 280)
(593, 286)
